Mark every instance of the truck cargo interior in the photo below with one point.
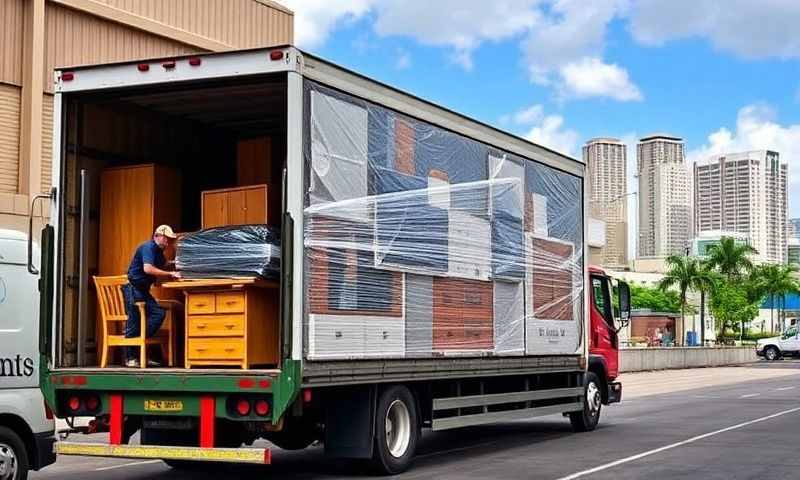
(197, 156)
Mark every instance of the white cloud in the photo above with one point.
(315, 19)
(461, 25)
(590, 77)
(545, 130)
(750, 29)
(757, 129)
(556, 36)
(403, 59)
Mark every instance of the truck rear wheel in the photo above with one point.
(13, 457)
(396, 430)
(587, 419)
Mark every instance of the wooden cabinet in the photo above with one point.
(230, 323)
(254, 161)
(133, 202)
(462, 314)
(257, 204)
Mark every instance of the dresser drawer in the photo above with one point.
(230, 302)
(215, 348)
(215, 326)
(200, 303)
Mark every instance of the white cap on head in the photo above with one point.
(165, 230)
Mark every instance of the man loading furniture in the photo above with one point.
(147, 266)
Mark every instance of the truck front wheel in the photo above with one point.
(13, 457)
(396, 430)
(586, 420)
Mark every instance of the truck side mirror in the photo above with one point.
(624, 293)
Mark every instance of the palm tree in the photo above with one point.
(731, 259)
(685, 273)
(776, 281)
(705, 287)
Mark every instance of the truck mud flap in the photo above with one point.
(349, 425)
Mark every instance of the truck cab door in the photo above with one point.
(603, 341)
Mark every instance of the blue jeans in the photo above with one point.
(155, 315)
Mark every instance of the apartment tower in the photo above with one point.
(606, 159)
(745, 192)
(664, 199)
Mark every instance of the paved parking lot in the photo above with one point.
(726, 423)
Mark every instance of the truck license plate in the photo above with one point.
(163, 405)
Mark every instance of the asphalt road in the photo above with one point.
(726, 423)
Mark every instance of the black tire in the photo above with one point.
(587, 419)
(13, 456)
(772, 353)
(396, 431)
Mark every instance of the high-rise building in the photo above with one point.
(794, 228)
(664, 199)
(793, 251)
(606, 159)
(744, 192)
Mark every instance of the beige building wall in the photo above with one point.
(37, 36)
(606, 159)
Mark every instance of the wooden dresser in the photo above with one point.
(230, 322)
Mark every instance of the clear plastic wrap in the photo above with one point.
(420, 242)
(227, 252)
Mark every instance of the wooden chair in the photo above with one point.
(112, 311)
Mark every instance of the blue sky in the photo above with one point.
(724, 75)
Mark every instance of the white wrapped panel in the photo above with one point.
(338, 150)
(469, 246)
(509, 318)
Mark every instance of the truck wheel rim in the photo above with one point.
(593, 398)
(8, 463)
(398, 428)
(771, 354)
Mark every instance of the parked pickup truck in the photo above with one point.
(773, 348)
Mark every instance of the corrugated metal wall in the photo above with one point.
(9, 137)
(47, 141)
(74, 38)
(11, 15)
(242, 23)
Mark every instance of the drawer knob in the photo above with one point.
(230, 325)
(338, 334)
(200, 349)
(231, 302)
(199, 304)
(385, 335)
(201, 325)
(229, 349)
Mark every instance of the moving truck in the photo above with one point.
(432, 268)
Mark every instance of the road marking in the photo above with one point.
(131, 464)
(783, 388)
(648, 453)
(750, 395)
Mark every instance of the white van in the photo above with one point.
(26, 424)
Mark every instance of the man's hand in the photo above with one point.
(176, 275)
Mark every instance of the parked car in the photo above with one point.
(26, 423)
(774, 348)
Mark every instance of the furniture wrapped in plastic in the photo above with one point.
(229, 252)
(420, 242)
